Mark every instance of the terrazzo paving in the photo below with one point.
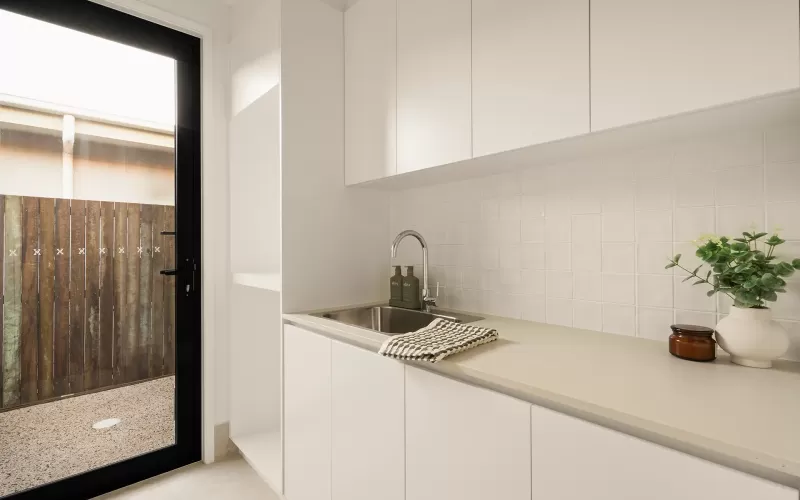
(51, 441)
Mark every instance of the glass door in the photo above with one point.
(100, 245)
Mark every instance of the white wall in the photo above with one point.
(585, 244)
(334, 239)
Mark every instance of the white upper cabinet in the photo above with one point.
(368, 446)
(577, 460)
(370, 42)
(530, 72)
(463, 442)
(434, 123)
(307, 415)
(654, 58)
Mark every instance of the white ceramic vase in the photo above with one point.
(751, 337)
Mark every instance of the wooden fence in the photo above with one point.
(84, 304)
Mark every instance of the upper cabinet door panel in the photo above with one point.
(434, 122)
(370, 42)
(530, 73)
(652, 58)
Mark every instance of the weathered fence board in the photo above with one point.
(106, 294)
(91, 351)
(145, 347)
(47, 285)
(169, 294)
(77, 290)
(120, 304)
(61, 313)
(30, 299)
(84, 305)
(157, 361)
(132, 292)
(12, 301)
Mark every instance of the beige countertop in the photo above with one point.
(744, 418)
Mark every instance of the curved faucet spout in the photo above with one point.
(427, 300)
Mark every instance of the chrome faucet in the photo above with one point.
(427, 300)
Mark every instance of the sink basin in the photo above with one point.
(393, 320)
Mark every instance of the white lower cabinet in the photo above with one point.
(577, 460)
(368, 426)
(463, 442)
(307, 415)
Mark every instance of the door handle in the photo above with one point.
(169, 272)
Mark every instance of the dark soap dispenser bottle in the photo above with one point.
(396, 287)
(411, 290)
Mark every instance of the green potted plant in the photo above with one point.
(746, 270)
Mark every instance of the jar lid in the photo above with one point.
(693, 330)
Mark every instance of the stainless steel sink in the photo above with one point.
(393, 320)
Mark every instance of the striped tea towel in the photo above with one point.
(436, 341)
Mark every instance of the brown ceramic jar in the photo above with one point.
(695, 343)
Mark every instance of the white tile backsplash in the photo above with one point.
(585, 244)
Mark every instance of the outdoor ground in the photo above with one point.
(51, 441)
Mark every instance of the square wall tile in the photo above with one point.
(793, 330)
(559, 285)
(558, 228)
(489, 257)
(653, 194)
(533, 256)
(619, 319)
(587, 257)
(738, 149)
(654, 324)
(698, 318)
(619, 288)
(692, 223)
(738, 186)
(692, 298)
(504, 231)
(618, 196)
(509, 281)
(654, 226)
(619, 257)
(587, 315)
(559, 312)
(783, 181)
(653, 257)
(533, 230)
(534, 282)
(500, 185)
(654, 290)
(586, 199)
(788, 304)
(732, 221)
(557, 203)
(510, 257)
(587, 228)
(784, 217)
(532, 206)
(587, 286)
(534, 308)
(694, 189)
(506, 305)
(618, 227)
(782, 144)
(558, 256)
(490, 209)
(510, 208)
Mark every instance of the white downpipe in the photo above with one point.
(68, 140)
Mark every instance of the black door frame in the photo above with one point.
(105, 22)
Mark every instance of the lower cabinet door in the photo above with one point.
(368, 425)
(307, 415)
(577, 460)
(464, 442)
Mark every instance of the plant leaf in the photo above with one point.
(711, 293)
(698, 282)
(687, 278)
(770, 296)
(796, 264)
(759, 235)
(784, 269)
(676, 259)
(670, 265)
